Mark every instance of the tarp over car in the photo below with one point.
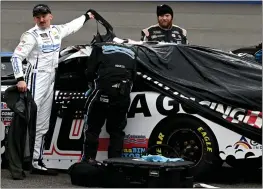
(207, 74)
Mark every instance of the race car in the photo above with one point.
(162, 110)
(251, 52)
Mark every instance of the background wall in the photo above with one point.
(220, 25)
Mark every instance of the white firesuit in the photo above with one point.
(41, 50)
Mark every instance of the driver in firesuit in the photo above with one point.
(165, 30)
(40, 46)
(112, 69)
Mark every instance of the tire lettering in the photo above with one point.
(206, 139)
(160, 141)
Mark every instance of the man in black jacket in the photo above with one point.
(112, 67)
(165, 30)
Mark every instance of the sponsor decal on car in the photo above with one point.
(134, 145)
(4, 106)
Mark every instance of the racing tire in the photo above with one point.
(186, 133)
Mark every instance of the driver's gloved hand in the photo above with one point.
(89, 15)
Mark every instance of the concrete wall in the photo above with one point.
(224, 26)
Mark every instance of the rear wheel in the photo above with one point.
(192, 139)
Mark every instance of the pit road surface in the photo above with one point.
(224, 26)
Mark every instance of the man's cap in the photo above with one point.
(41, 9)
(164, 9)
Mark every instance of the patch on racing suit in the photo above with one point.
(104, 98)
(43, 35)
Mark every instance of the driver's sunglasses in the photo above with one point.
(41, 10)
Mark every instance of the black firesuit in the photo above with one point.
(112, 67)
(175, 34)
(21, 134)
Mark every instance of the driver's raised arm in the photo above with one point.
(74, 25)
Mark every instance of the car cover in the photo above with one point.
(221, 86)
(206, 74)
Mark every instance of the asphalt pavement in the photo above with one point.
(226, 177)
(224, 26)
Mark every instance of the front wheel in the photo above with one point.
(192, 139)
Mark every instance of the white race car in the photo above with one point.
(201, 124)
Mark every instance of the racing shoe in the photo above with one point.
(38, 167)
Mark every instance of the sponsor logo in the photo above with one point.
(135, 139)
(242, 143)
(157, 32)
(18, 48)
(50, 48)
(6, 119)
(7, 113)
(176, 32)
(55, 34)
(7, 123)
(119, 66)
(44, 35)
(133, 152)
(4, 106)
(255, 145)
(134, 145)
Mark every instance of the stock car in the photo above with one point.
(154, 118)
(254, 52)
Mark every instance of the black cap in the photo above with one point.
(164, 9)
(41, 9)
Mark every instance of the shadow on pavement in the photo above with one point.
(229, 175)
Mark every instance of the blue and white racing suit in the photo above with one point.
(41, 50)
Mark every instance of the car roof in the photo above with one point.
(6, 54)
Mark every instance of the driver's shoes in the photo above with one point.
(38, 167)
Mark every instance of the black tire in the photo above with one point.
(206, 155)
